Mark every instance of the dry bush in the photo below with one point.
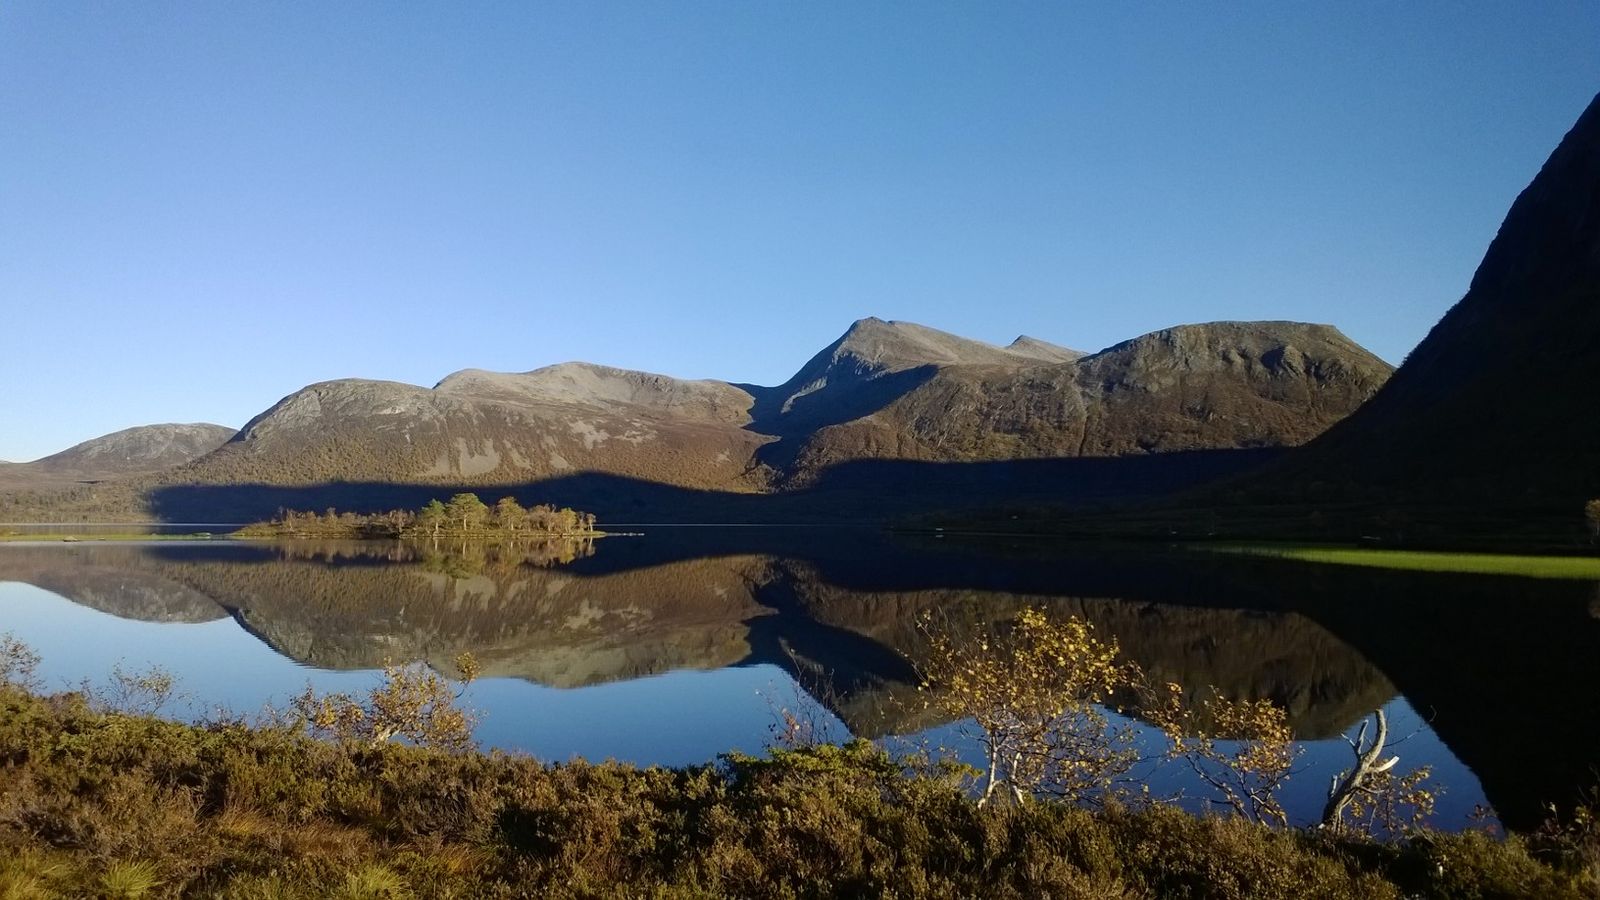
(414, 703)
(19, 664)
(143, 692)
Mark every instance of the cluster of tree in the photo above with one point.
(464, 515)
(331, 524)
(1038, 692)
(1591, 512)
(74, 503)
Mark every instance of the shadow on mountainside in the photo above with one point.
(860, 492)
(795, 410)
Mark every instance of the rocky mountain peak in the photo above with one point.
(1044, 351)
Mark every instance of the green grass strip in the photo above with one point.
(1584, 568)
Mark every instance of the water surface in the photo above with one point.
(681, 644)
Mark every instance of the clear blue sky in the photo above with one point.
(204, 206)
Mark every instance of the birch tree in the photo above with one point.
(1036, 692)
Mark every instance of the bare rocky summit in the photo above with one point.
(1194, 387)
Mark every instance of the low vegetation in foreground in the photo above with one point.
(381, 796)
(464, 516)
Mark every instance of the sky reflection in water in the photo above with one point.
(672, 658)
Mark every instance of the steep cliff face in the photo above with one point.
(1496, 405)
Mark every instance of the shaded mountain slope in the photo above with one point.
(1495, 408)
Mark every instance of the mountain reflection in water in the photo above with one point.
(1506, 667)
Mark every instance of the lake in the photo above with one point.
(679, 644)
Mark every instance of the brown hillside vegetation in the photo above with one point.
(95, 803)
(885, 390)
(1196, 387)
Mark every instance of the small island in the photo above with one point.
(463, 516)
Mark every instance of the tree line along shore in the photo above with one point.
(463, 515)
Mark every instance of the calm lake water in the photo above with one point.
(680, 644)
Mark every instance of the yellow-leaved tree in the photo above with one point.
(1243, 750)
(414, 703)
(1037, 691)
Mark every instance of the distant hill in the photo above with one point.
(493, 428)
(882, 391)
(133, 451)
(1495, 409)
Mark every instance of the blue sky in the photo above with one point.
(204, 206)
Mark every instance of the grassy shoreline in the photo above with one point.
(88, 537)
(100, 803)
(1586, 568)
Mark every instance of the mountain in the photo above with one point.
(1495, 408)
(1040, 350)
(883, 390)
(883, 393)
(1193, 387)
(133, 451)
(494, 427)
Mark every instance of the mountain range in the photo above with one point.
(1489, 412)
(886, 391)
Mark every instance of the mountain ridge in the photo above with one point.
(883, 390)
